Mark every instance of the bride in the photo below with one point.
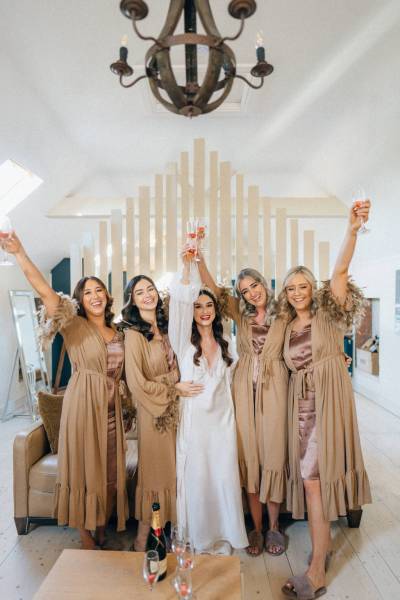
(209, 501)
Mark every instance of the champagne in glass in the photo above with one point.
(359, 198)
(183, 584)
(5, 233)
(186, 557)
(151, 567)
(191, 238)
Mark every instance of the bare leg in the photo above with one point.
(256, 514)
(273, 516)
(87, 541)
(319, 531)
(111, 497)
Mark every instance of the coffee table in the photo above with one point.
(96, 575)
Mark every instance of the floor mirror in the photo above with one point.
(29, 365)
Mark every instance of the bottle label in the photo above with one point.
(163, 566)
(154, 567)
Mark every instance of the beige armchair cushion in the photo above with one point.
(35, 470)
(50, 407)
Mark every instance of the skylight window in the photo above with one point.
(16, 183)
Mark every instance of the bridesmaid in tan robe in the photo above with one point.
(91, 449)
(153, 379)
(327, 471)
(260, 385)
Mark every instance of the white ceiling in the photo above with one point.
(327, 117)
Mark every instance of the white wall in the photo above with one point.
(378, 277)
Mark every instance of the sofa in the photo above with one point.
(34, 476)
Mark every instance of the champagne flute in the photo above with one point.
(151, 567)
(359, 197)
(176, 538)
(183, 584)
(186, 557)
(191, 238)
(5, 233)
(201, 233)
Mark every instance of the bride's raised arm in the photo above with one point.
(184, 291)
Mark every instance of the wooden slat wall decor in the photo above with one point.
(199, 177)
(88, 255)
(144, 230)
(225, 236)
(103, 258)
(186, 209)
(130, 238)
(323, 260)
(241, 226)
(252, 227)
(294, 243)
(309, 250)
(239, 238)
(281, 249)
(213, 234)
(159, 226)
(268, 266)
(172, 228)
(116, 260)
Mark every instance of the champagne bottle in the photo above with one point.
(156, 540)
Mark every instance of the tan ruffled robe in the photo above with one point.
(344, 481)
(81, 484)
(261, 424)
(151, 382)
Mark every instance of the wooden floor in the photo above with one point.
(366, 564)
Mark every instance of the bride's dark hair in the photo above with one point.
(218, 332)
(131, 315)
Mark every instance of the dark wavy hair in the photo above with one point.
(131, 315)
(78, 296)
(218, 332)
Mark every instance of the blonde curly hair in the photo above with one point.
(247, 309)
(284, 309)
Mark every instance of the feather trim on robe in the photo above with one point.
(66, 310)
(170, 417)
(344, 314)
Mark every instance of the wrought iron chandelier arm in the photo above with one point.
(255, 87)
(132, 83)
(232, 38)
(147, 38)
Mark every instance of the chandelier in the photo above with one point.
(194, 98)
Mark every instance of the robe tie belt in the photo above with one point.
(122, 387)
(266, 369)
(303, 378)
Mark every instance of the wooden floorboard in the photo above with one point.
(366, 562)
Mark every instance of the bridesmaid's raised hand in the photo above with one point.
(12, 244)
(359, 214)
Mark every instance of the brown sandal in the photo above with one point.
(275, 538)
(302, 588)
(256, 540)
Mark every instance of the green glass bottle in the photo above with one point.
(156, 540)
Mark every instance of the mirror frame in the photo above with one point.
(32, 397)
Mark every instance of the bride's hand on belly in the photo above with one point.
(188, 388)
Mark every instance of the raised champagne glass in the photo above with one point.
(5, 233)
(359, 197)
